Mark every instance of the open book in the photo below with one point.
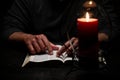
(46, 57)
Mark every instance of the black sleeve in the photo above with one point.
(112, 28)
(18, 18)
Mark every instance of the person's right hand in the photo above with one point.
(39, 43)
(35, 43)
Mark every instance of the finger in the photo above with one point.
(30, 47)
(63, 49)
(73, 46)
(54, 47)
(71, 41)
(69, 51)
(47, 43)
(74, 43)
(36, 46)
(40, 43)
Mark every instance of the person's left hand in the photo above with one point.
(67, 47)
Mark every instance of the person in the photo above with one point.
(34, 26)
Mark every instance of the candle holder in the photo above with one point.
(87, 26)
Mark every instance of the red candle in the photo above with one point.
(88, 37)
(87, 27)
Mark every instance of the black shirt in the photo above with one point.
(53, 18)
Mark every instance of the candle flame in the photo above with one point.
(87, 16)
(90, 2)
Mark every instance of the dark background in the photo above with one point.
(4, 6)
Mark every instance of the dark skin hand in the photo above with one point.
(34, 43)
(39, 43)
(67, 46)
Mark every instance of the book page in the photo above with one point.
(65, 57)
(46, 57)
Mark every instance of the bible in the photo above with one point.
(46, 57)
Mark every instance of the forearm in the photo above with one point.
(16, 21)
(19, 36)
